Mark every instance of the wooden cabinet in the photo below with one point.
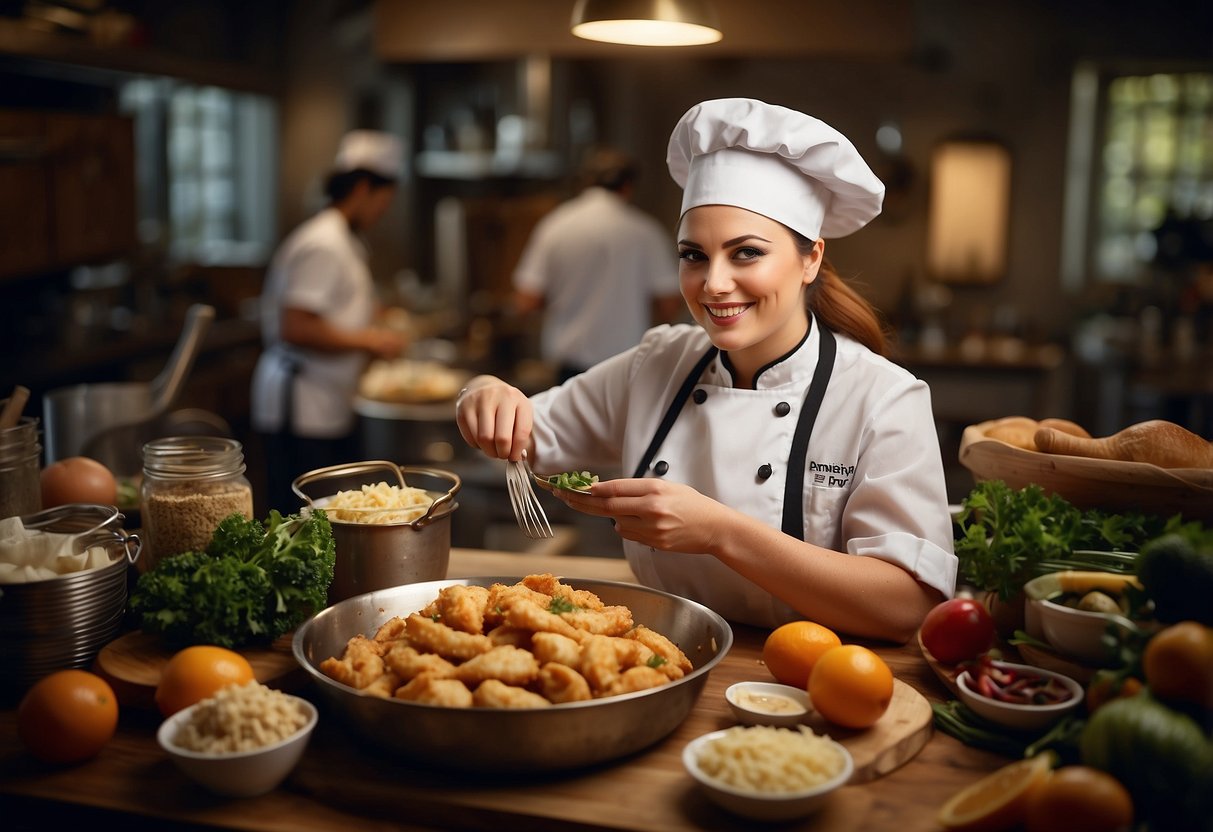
(25, 238)
(67, 190)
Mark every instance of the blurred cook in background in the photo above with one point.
(602, 270)
(318, 312)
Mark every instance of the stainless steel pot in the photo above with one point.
(110, 422)
(556, 738)
(373, 555)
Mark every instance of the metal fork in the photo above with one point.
(527, 510)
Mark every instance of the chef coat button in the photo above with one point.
(764, 471)
(700, 396)
(661, 468)
(783, 409)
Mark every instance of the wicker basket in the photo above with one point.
(1087, 483)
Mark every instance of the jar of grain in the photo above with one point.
(20, 474)
(190, 484)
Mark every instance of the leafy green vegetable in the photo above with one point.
(253, 583)
(573, 480)
(1005, 537)
(655, 661)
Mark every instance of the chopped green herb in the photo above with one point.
(562, 604)
(656, 661)
(573, 480)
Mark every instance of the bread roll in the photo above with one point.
(1019, 431)
(1155, 442)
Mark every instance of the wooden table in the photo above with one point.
(341, 784)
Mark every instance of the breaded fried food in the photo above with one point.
(662, 646)
(608, 621)
(632, 653)
(512, 665)
(548, 584)
(430, 690)
(526, 614)
(462, 607)
(435, 637)
(561, 683)
(553, 647)
(406, 662)
(493, 693)
(599, 663)
(392, 630)
(384, 687)
(359, 665)
(637, 678)
(513, 636)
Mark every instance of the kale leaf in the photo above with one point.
(253, 583)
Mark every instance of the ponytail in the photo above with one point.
(840, 308)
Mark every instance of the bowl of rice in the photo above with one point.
(391, 523)
(768, 773)
(241, 742)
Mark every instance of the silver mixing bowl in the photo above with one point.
(527, 740)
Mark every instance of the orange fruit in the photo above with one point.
(195, 673)
(1178, 663)
(68, 716)
(999, 800)
(791, 651)
(851, 686)
(1079, 799)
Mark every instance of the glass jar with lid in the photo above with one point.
(190, 484)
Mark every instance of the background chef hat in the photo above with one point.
(380, 153)
(777, 162)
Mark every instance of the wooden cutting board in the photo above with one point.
(891, 742)
(132, 665)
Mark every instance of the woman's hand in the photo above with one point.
(494, 417)
(654, 512)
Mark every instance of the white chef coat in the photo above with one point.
(873, 484)
(321, 268)
(598, 261)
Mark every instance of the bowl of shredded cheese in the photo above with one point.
(241, 742)
(768, 773)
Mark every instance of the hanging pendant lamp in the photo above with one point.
(647, 22)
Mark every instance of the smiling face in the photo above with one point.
(743, 279)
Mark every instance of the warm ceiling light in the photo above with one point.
(647, 22)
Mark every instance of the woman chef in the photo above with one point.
(781, 467)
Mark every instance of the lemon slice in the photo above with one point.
(998, 800)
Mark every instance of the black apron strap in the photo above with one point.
(793, 489)
(671, 414)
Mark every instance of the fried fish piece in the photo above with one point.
(636, 678)
(406, 662)
(608, 621)
(391, 630)
(462, 607)
(553, 647)
(548, 584)
(632, 653)
(385, 686)
(494, 693)
(561, 683)
(526, 614)
(599, 663)
(430, 690)
(359, 665)
(511, 665)
(662, 646)
(435, 637)
(513, 636)
(500, 595)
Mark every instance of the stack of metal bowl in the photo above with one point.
(63, 622)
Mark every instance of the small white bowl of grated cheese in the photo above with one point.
(241, 742)
(768, 773)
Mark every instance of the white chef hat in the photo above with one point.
(774, 161)
(380, 153)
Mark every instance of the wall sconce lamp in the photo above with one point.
(647, 22)
(970, 200)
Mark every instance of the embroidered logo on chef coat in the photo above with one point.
(831, 474)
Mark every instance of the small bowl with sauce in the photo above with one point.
(767, 703)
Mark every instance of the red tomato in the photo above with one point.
(957, 630)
